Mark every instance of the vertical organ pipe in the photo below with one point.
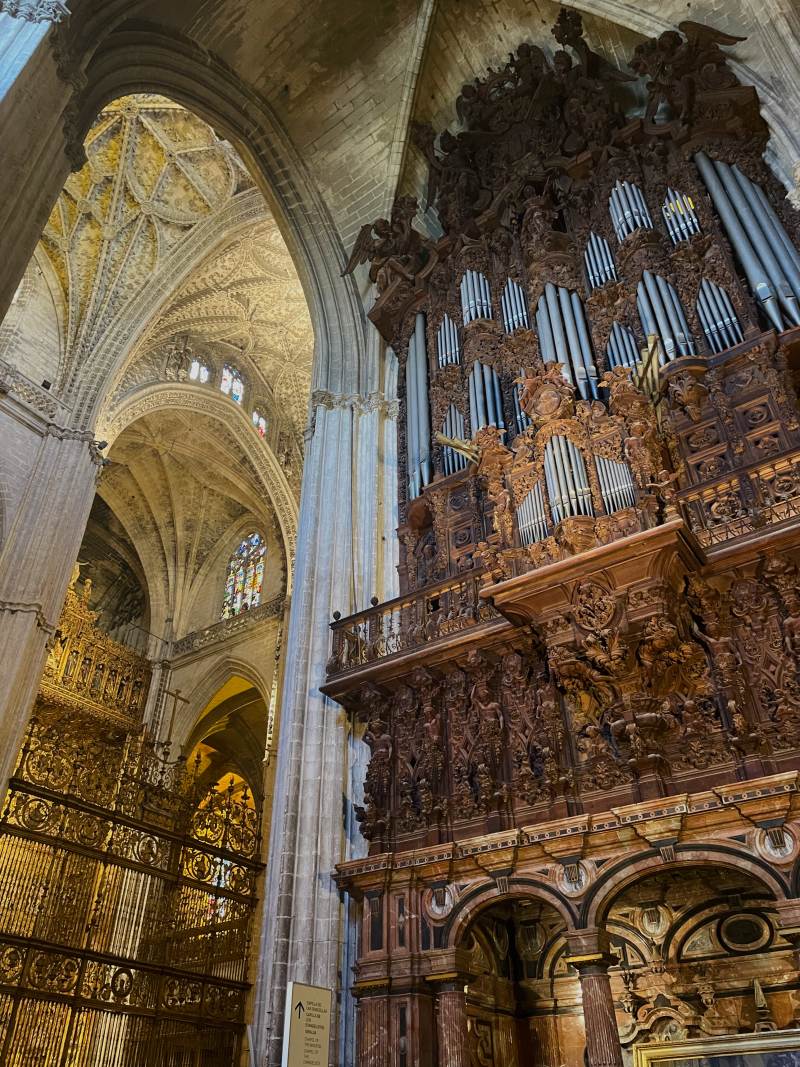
(761, 243)
(621, 349)
(412, 422)
(585, 343)
(772, 230)
(754, 269)
(423, 408)
(769, 211)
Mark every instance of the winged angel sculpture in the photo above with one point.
(392, 246)
(678, 68)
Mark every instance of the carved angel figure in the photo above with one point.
(392, 246)
(677, 68)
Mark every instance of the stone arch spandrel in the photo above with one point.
(208, 402)
(619, 876)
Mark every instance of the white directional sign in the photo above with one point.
(306, 1026)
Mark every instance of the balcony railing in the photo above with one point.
(408, 622)
(226, 628)
(750, 500)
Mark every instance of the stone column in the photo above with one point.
(302, 929)
(36, 561)
(451, 1026)
(588, 953)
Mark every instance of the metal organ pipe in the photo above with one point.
(564, 338)
(412, 422)
(513, 306)
(585, 343)
(621, 350)
(769, 257)
(755, 271)
(567, 483)
(447, 350)
(717, 317)
(531, 517)
(423, 408)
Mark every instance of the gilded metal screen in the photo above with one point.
(126, 901)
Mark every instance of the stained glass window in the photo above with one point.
(231, 383)
(260, 423)
(198, 372)
(245, 577)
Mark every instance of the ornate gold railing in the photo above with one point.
(87, 669)
(126, 903)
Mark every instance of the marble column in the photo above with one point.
(451, 1026)
(588, 953)
(36, 562)
(373, 1030)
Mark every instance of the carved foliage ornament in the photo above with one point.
(35, 10)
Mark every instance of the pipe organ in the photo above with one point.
(597, 635)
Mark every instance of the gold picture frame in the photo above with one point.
(776, 1048)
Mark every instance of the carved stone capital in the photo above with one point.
(35, 10)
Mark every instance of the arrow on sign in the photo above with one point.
(299, 1008)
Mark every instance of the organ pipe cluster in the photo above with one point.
(599, 262)
(679, 217)
(453, 426)
(564, 338)
(447, 348)
(621, 350)
(567, 481)
(769, 260)
(476, 299)
(485, 398)
(514, 307)
(628, 210)
(717, 317)
(662, 314)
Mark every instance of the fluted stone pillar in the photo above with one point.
(451, 1026)
(305, 926)
(36, 561)
(588, 953)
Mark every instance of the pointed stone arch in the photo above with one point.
(186, 397)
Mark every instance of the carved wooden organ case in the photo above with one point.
(599, 451)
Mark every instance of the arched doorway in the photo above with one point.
(522, 999)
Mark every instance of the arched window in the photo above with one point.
(260, 423)
(245, 577)
(198, 372)
(231, 383)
